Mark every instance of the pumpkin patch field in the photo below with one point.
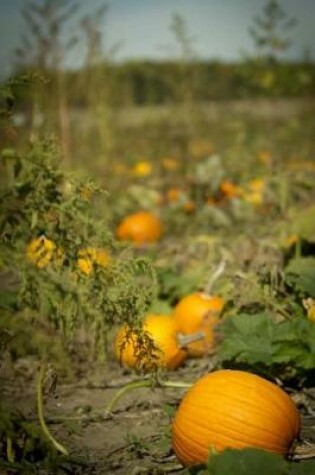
(157, 271)
(141, 334)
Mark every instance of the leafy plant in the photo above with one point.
(302, 223)
(300, 274)
(249, 461)
(258, 340)
(23, 449)
(40, 199)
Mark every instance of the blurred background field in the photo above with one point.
(107, 108)
(169, 109)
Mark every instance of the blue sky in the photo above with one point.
(220, 27)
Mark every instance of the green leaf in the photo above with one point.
(8, 153)
(304, 468)
(247, 462)
(247, 338)
(300, 273)
(258, 339)
(160, 306)
(294, 343)
(8, 300)
(303, 224)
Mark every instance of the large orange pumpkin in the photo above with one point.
(140, 228)
(199, 312)
(163, 331)
(233, 409)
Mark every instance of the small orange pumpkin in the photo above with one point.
(173, 194)
(199, 312)
(233, 409)
(140, 228)
(163, 331)
(189, 206)
(229, 189)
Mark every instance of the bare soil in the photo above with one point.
(135, 437)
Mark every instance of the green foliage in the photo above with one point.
(21, 441)
(23, 449)
(137, 444)
(40, 199)
(302, 223)
(300, 274)
(148, 82)
(13, 88)
(258, 340)
(173, 286)
(249, 461)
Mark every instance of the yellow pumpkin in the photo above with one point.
(233, 409)
(140, 228)
(142, 168)
(256, 185)
(253, 192)
(199, 312)
(162, 329)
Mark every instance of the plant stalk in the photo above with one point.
(216, 274)
(40, 412)
(144, 384)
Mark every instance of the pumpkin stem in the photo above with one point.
(40, 412)
(145, 383)
(185, 340)
(213, 277)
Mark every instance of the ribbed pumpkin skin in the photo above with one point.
(198, 312)
(140, 228)
(162, 329)
(233, 409)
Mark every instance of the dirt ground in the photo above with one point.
(135, 437)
